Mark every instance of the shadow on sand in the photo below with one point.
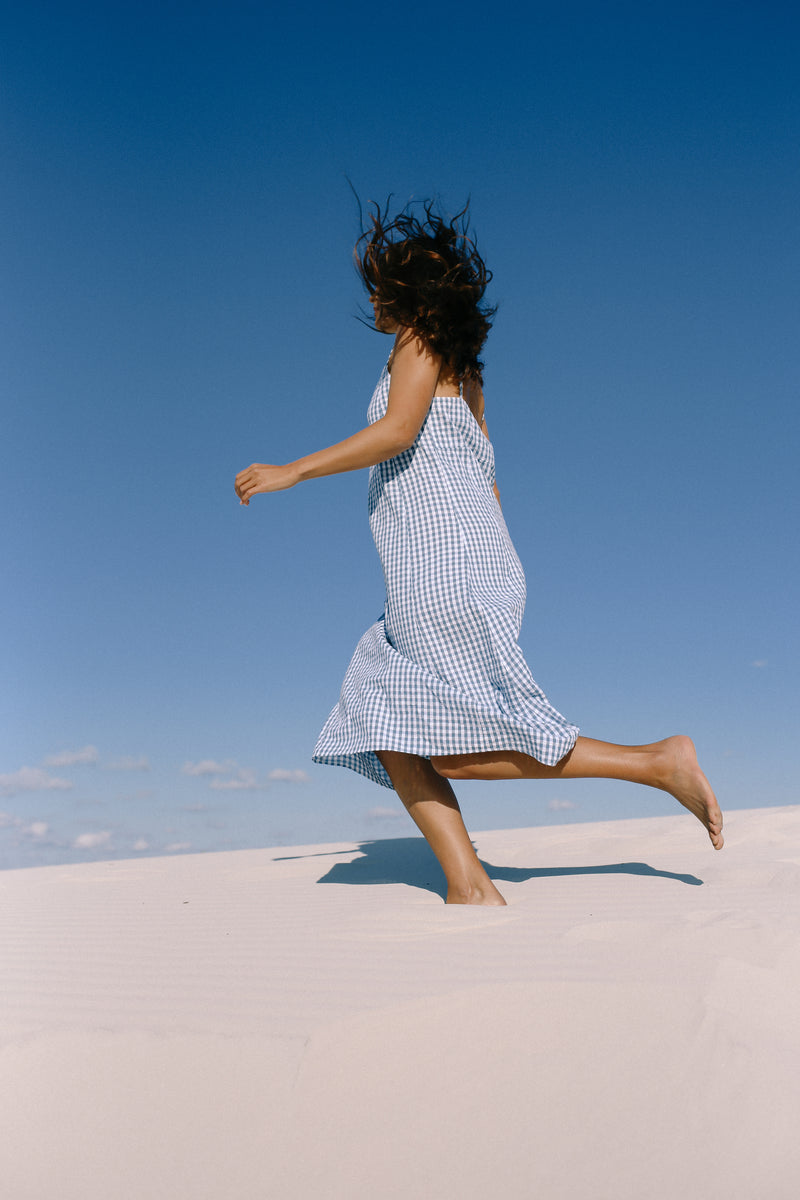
(411, 861)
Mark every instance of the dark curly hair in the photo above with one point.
(429, 277)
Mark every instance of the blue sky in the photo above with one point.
(179, 301)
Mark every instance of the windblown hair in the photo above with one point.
(429, 277)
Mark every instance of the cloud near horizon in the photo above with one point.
(209, 766)
(31, 779)
(68, 758)
(36, 829)
(89, 841)
(243, 781)
(240, 779)
(560, 805)
(282, 775)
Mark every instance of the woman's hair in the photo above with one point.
(429, 277)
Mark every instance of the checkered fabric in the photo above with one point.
(441, 671)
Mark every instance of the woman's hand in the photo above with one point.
(264, 477)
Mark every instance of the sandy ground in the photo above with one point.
(314, 1022)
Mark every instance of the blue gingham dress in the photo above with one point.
(441, 671)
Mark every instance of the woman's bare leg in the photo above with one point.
(670, 765)
(432, 804)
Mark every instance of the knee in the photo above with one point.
(405, 770)
(450, 768)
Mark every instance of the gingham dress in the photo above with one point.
(441, 671)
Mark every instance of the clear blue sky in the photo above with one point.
(179, 301)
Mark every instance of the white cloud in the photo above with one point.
(759, 662)
(241, 778)
(560, 805)
(30, 779)
(128, 763)
(68, 758)
(36, 829)
(88, 841)
(173, 846)
(382, 813)
(208, 766)
(281, 775)
(141, 844)
(244, 781)
(7, 819)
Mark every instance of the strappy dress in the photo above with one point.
(441, 671)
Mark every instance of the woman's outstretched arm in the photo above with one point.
(415, 370)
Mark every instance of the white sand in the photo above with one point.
(227, 1027)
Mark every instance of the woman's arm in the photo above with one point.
(415, 370)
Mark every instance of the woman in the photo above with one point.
(438, 688)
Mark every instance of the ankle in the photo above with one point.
(668, 758)
(474, 893)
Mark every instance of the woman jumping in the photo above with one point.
(438, 688)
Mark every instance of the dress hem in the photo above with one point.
(365, 761)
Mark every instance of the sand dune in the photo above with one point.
(314, 1022)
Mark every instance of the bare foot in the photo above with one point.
(682, 777)
(486, 894)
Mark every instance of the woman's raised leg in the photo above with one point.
(432, 804)
(670, 765)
